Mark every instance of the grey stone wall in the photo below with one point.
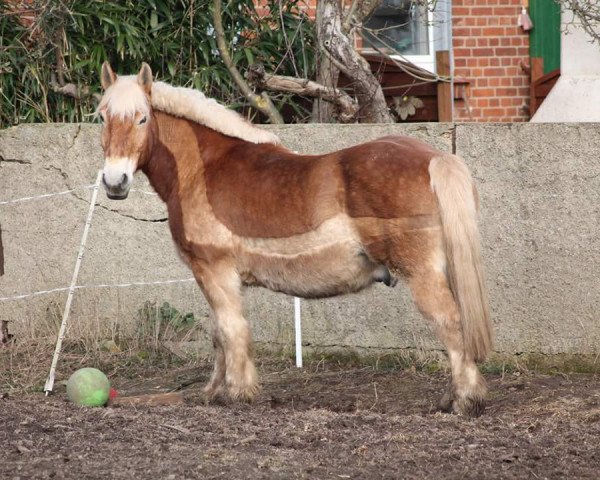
(539, 187)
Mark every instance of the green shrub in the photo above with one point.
(69, 39)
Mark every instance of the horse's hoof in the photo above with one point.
(243, 394)
(214, 393)
(470, 407)
(446, 403)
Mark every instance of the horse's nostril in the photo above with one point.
(104, 180)
(123, 180)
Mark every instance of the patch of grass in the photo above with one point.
(431, 362)
(164, 323)
(161, 330)
(498, 367)
(25, 364)
(420, 360)
(541, 364)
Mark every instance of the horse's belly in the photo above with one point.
(323, 272)
(325, 262)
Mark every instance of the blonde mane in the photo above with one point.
(125, 98)
(193, 105)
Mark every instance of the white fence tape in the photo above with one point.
(45, 195)
(99, 285)
(64, 192)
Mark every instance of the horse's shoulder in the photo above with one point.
(268, 191)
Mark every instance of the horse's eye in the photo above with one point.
(142, 120)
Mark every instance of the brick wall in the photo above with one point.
(489, 49)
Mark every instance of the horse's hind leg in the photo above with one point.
(216, 384)
(434, 299)
(234, 371)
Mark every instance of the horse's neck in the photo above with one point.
(173, 146)
(181, 149)
(160, 170)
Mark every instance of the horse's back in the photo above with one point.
(267, 191)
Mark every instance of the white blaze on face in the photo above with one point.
(125, 111)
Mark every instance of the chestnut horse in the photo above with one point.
(244, 210)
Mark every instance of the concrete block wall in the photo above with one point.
(540, 195)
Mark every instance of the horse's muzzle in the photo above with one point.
(119, 191)
(117, 197)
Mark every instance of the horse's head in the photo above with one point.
(126, 113)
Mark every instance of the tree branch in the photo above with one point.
(347, 107)
(347, 23)
(340, 50)
(366, 8)
(260, 102)
(327, 73)
(588, 14)
(72, 90)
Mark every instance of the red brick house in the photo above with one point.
(494, 61)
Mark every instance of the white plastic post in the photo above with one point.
(298, 329)
(63, 326)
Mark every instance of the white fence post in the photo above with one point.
(298, 329)
(63, 326)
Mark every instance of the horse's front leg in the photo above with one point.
(234, 373)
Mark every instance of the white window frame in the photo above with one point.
(426, 62)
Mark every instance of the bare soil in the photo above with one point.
(319, 422)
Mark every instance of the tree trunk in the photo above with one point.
(340, 51)
(327, 74)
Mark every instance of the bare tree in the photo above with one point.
(587, 12)
(337, 23)
(338, 47)
(327, 72)
(327, 75)
(337, 54)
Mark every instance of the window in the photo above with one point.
(409, 28)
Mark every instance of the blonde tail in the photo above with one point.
(457, 199)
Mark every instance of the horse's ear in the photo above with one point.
(107, 77)
(144, 78)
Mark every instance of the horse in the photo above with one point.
(245, 211)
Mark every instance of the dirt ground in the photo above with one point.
(319, 422)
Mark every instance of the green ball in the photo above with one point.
(88, 387)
